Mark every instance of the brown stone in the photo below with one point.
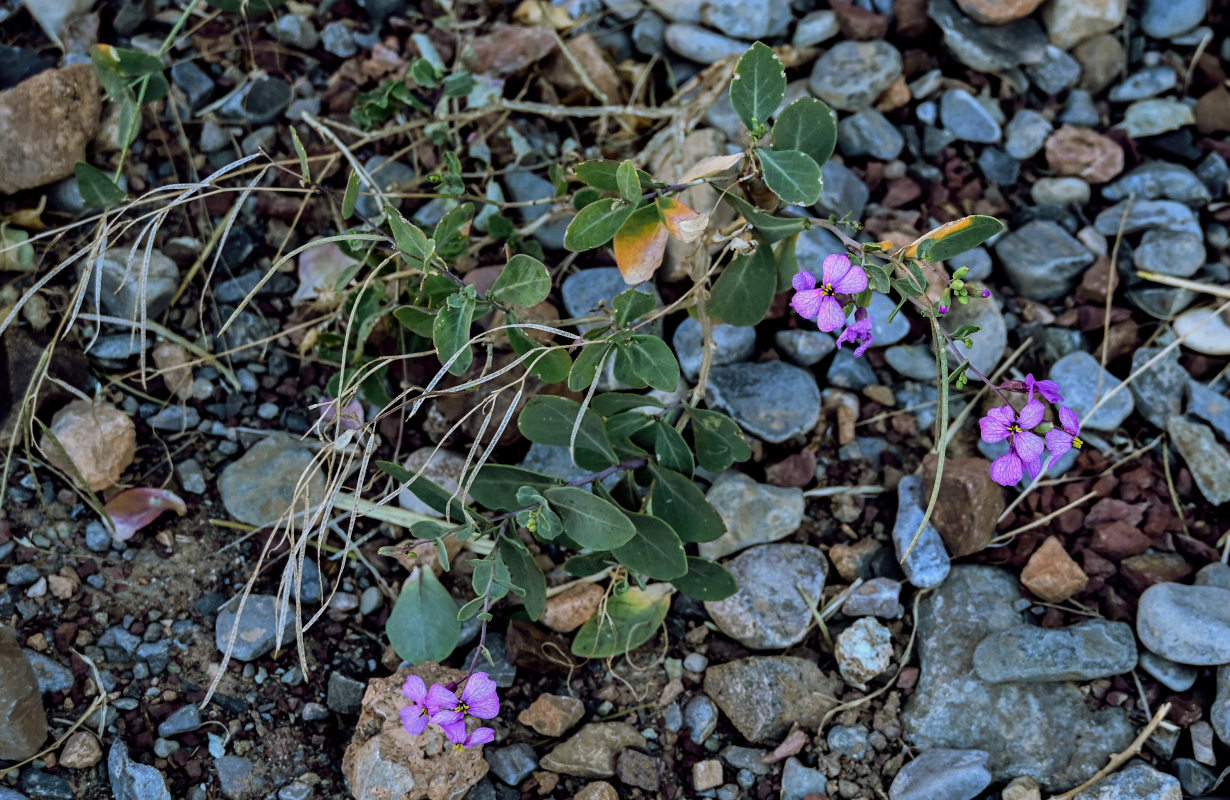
(763, 696)
(591, 751)
(998, 12)
(707, 774)
(969, 504)
(1142, 571)
(1084, 153)
(895, 96)
(793, 472)
(99, 440)
(854, 560)
(552, 714)
(509, 49)
(19, 358)
(586, 52)
(1213, 111)
(1097, 280)
(598, 790)
(172, 360)
(569, 610)
(1051, 574)
(858, 23)
(1118, 540)
(384, 762)
(81, 751)
(1102, 60)
(1071, 21)
(639, 769)
(23, 723)
(46, 122)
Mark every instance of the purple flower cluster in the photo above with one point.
(838, 277)
(1026, 448)
(440, 705)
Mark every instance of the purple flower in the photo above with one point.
(478, 699)
(1048, 389)
(416, 715)
(943, 309)
(352, 414)
(1024, 448)
(858, 333)
(456, 733)
(986, 292)
(838, 276)
(1062, 439)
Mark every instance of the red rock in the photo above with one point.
(509, 49)
(552, 714)
(998, 12)
(969, 504)
(1051, 574)
(46, 123)
(794, 471)
(1142, 571)
(858, 23)
(1118, 540)
(100, 442)
(912, 19)
(1084, 153)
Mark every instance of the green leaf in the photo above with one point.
(351, 196)
(423, 625)
(550, 420)
(719, 442)
(706, 580)
(589, 520)
(655, 551)
(611, 403)
(585, 368)
(672, 451)
(653, 362)
(410, 240)
(632, 304)
(151, 88)
(758, 86)
(97, 190)
(587, 564)
(423, 73)
(621, 368)
(128, 63)
(744, 291)
(496, 485)
(806, 125)
(303, 159)
(526, 573)
(792, 175)
(483, 577)
(417, 320)
(596, 224)
(584, 197)
(430, 529)
(769, 228)
(603, 175)
(524, 281)
(954, 238)
(451, 332)
(630, 620)
(435, 496)
(787, 263)
(628, 183)
(451, 233)
(459, 84)
(680, 504)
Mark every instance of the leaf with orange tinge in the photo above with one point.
(133, 509)
(714, 165)
(640, 245)
(683, 223)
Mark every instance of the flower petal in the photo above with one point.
(803, 280)
(414, 720)
(807, 303)
(440, 699)
(455, 731)
(834, 268)
(415, 689)
(853, 281)
(1034, 467)
(1031, 415)
(1007, 470)
(829, 316)
(1029, 446)
(480, 696)
(1069, 421)
(480, 736)
(994, 429)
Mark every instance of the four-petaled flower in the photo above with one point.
(478, 699)
(416, 715)
(1065, 437)
(456, 733)
(1048, 389)
(441, 705)
(838, 276)
(1024, 447)
(858, 333)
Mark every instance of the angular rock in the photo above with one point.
(844, 193)
(951, 774)
(23, 722)
(969, 504)
(591, 751)
(571, 609)
(133, 781)
(1056, 72)
(863, 651)
(46, 123)
(800, 782)
(240, 778)
(869, 133)
(100, 442)
(552, 714)
(1154, 116)
(1040, 729)
(877, 597)
(754, 513)
(1186, 624)
(988, 48)
(511, 764)
(1135, 782)
(1071, 150)
(764, 695)
(772, 400)
(851, 75)
(1096, 648)
(768, 611)
(1209, 406)
(1026, 134)
(1083, 383)
(81, 751)
(383, 763)
(1051, 573)
(927, 564)
(257, 627)
(1205, 456)
(1071, 21)
(730, 343)
(259, 487)
(1145, 214)
(1158, 390)
(700, 714)
(967, 119)
(1042, 260)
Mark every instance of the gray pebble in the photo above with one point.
(695, 662)
(1042, 260)
(1096, 648)
(1159, 390)
(1178, 253)
(1146, 214)
(1186, 624)
(799, 781)
(850, 372)
(844, 193)
(701, 716)
(1138, 781)
(257, 627)
(1078, 377)
(1164, 19)
(1055, 72)
(805, 347)
(1080, 110)
(967, 119)
(869, 133)
(313, 712)
(294, 31)
(700, 45)
(730, 343)
(1026, 134)
(773, 401)
(1209, 406)
(345, 694)
(511, 764)
(950, 774)
(816, 27)
(184, 720)
(131, 780)
(1176, 677)
(338, 39)
(1148, 82)
(851, 75)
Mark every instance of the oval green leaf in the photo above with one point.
(680, 504)
(524, 281)
(956, 237)
(596, 224)
(806, 125)
(758, 86)
(744, 291)
(719, 442)
(527, 575)
(589, 520)
(495, 487)
(630, 620)
(706, 580)
(549, 420)
(655, 550)
(653, 362)
(423, 625)
(792, 175)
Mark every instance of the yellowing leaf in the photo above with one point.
(956, 237)
(713, 165)
(683, 223)
(640, 245)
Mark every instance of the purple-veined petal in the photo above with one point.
(807, 303)
(829, 316)
(413, 719)
(440, 699)
(1029, 446)
(862, 348)
(480, 696)
(455, 731)
(833, 268)
(994, 428)
(1050, 391)
(1058, 442)
(853, 281)
(803, 281)
(480, 736)
(1007, 470)
(1069, 421)
(1034, 467)
(1031, 415)
(133, 509)
(415, 688)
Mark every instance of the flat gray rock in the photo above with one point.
(988, 48)
(1042, 260)
(1186, 624)
(1205, 457)
(754, 513)
(928, 564)
(989, 341)
(805, 347)
(768, 611)
(799, 781)
(950, 774)
(259, 487)
(731, 343)
(699, 44)
(133, 781)
(1096, 648)
(747, 19)
(844, 193)
(773, 401)
(967, 119)
(127, 288)
(1078, 377)
(257, 627)
(1209, 406)
(1136, 782)
(1146, 214)
(764, 695)
(851, 75)
(1026, 134)
(1158, 390)
(583, 291)
(1219, 713)
(1177, 253)
(869, 133)
(1159, 180)
(1040, 729)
